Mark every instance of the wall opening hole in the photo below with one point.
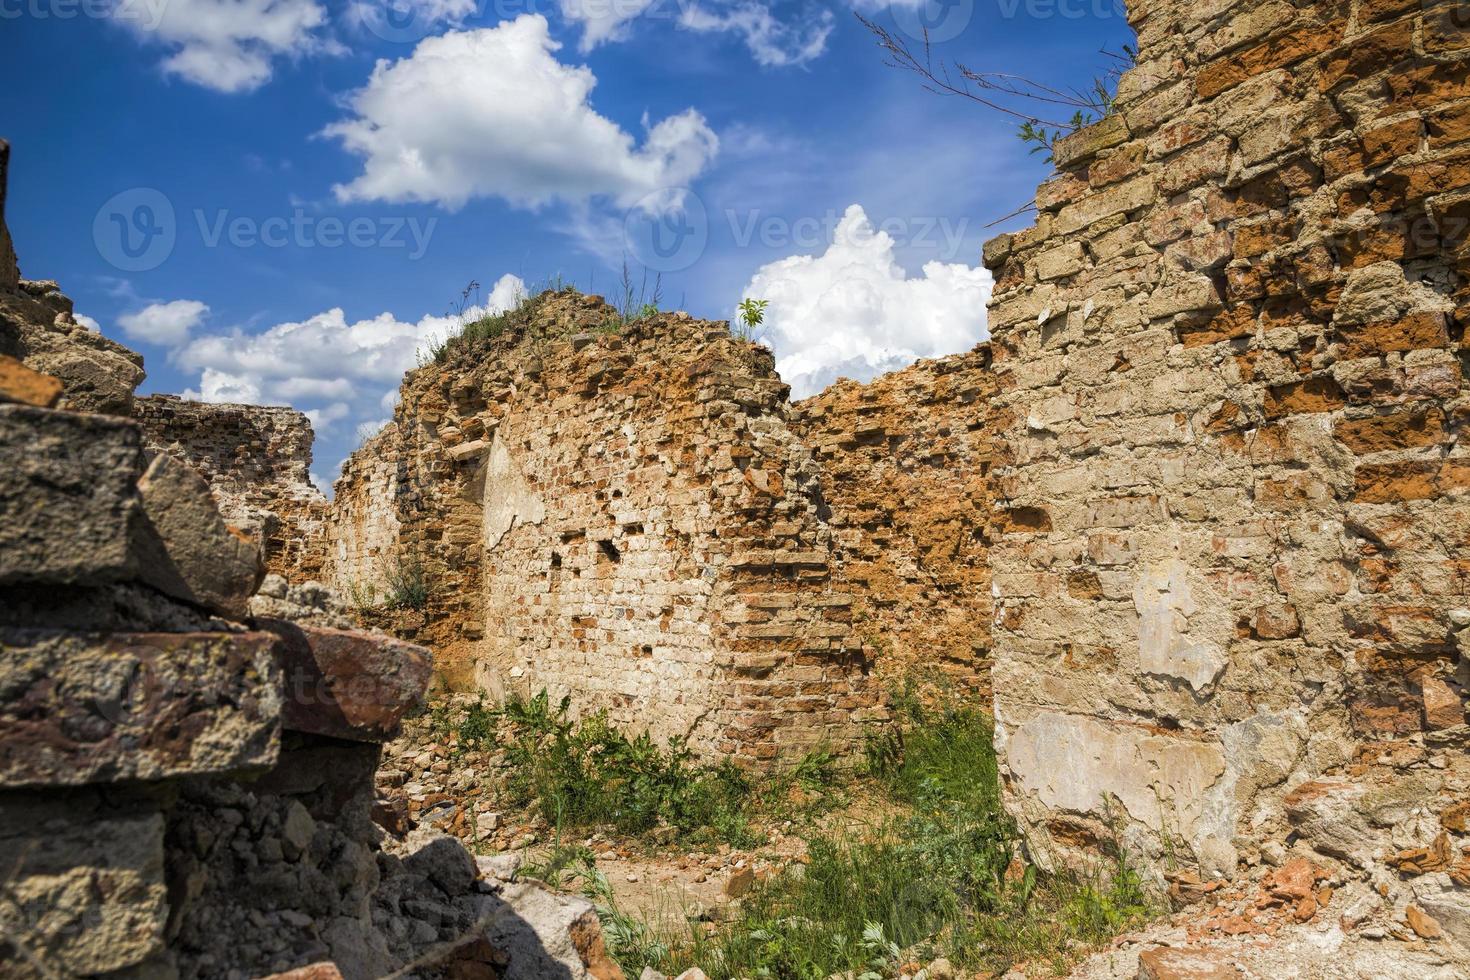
(609, 551)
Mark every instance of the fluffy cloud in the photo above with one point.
(602, 20)
(772, 43)
(852, 311)
(165, 324)
(226, 45)
(492, 113)
(334, 371)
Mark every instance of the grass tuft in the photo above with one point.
(587, 773)
(406, 584)
(946, 874)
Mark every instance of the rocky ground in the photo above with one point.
(428, 780)
(1295, 915)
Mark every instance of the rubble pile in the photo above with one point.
(187, 781)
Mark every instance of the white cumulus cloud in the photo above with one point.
(226, 45)
(773, 43)
(334, 370)
(493, 113)
(852, 311)
(602, 20)
(165, 324)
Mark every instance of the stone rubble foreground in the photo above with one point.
(187, 777)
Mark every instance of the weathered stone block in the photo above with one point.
(1089, 141)
(99, 708)
(68, 503)
(186, 550)
(348, 684)
(84, 883)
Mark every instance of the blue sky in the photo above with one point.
(294, 214)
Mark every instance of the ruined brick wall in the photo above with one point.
(258, 463)
(905, 462)
(625, 518)
(363, 518)
(1234, 490)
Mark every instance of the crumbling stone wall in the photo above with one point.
(1234, 489)
(39, 332)
(187, 789)
(905, 462)
(258, 464)
(362, 543)
(625, 518)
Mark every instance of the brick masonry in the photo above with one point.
(623, 518)
(905, 463)
(1232, 485)
(257, 461)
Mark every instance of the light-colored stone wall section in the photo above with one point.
(257, 461)
(362, 535)
(622, 517)
(1234, 484)
(905, 474)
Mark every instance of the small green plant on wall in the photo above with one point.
(752, 315)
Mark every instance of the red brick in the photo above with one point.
(1401, 430)
(1389, 483)
(1320, 394)
(1449, 126)
(1417, 331)
(1366, 55)
(1447, 28)
(1283, 50)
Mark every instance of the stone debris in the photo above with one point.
(186, 791)
(305, 602)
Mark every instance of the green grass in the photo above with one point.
(944, 870)
(587, 773)
(406, 584)
(946, 874)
